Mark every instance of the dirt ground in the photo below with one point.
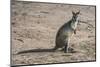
(34, 27)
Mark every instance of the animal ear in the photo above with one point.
(78, 12)
(73, 12)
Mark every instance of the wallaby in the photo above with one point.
(65, 33)
(63, 36)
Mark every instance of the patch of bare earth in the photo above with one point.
(34, 26)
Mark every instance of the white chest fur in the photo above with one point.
(74, 25)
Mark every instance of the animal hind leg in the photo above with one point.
(66, 47)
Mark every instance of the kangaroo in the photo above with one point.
(65, 33)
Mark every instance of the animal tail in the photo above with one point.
(38, 50)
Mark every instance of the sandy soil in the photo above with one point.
(34, 26)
